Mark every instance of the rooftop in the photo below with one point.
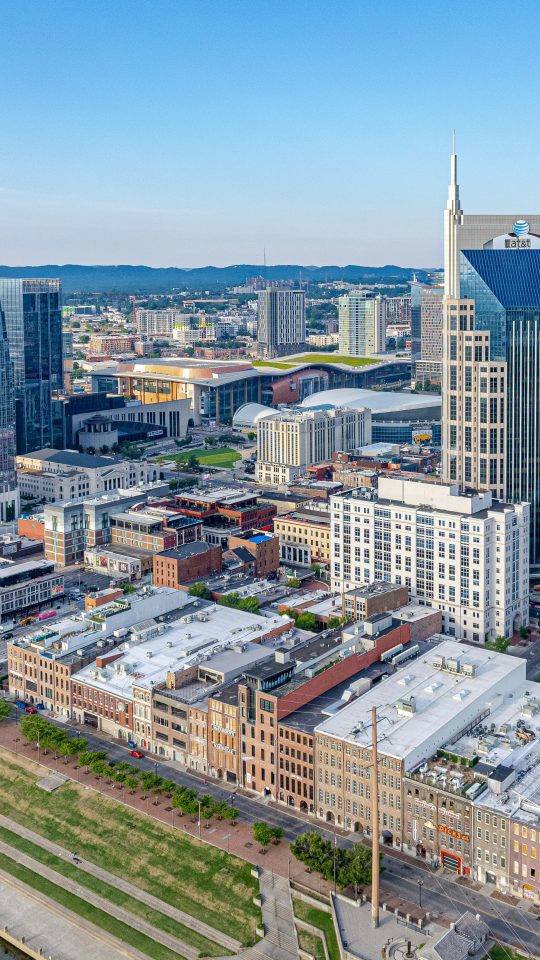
(424, 705)
(176, 645)
(72, 458)
(186, 550)
(378, 401)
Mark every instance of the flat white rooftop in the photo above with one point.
(444, 702)
(144, 663)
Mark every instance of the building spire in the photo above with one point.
(453, 189)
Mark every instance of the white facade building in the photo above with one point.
(156, 323)
(292, 440)
(361, 326)
(56, 475)
(462, 553)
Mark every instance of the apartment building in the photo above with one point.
(292, 440)
(282, 322)
(362, 326)
(115, 343)
(421, 708)
(304, 537)
(157, 323)
(462, 553)
(224, 511)
(73, 526)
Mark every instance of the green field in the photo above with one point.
(334, 358)
(323, 921)
(271, 363)
(315, 358)
(203, 881)
(498, 952)
(212, 457)
(311, 944)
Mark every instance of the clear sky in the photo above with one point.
(190, 132)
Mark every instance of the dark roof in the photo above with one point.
(73, 459)
(512, 275)
(266, 670)
(244, 555)
(500, 773)
(186, 550)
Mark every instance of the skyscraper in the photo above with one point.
(282, 322)
(9, 494)
(361, 325)
(33, 316)
(491, 346)
(427, 311)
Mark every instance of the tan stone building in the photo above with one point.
(304, 537)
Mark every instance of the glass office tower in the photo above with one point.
(505, 287)
(9, 494)
(33, 316)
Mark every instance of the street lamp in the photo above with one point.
(155, 767)
(38, 750)
(420, 885)
(199, 819)
(335, 844)
(17, 740)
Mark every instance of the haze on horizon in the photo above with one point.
(191, 133)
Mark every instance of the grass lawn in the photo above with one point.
(212, 457)
(270, 363)
(311, 944)
(334, 358)
(499, 952)
(324, 922)
(159, 920)
(201, 880)
(98, 917)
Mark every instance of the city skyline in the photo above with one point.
(175, 142)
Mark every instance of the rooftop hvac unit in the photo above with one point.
(149, 654)
(453, 665)
(100, 643)
(79, 653)
(469, 669)
(406, 707)
(438, 662)
(169, 643)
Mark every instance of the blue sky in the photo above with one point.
(187, 132)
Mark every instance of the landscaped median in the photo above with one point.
(199, 879)
(322, 921)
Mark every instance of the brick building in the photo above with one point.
(186, 564)
(262, 550)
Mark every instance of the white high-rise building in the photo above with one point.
(282, 322)
(462, 553)
(292, 440)
(361, 326)
(157, 323)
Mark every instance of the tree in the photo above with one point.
(523, 632)
(316, 569)
(357, 872)
(128, 588)
(293, 582)
(249, 604)
(262, 834)
(200, 590)
(5, 709)
(252, 435)
(334, 623)
(192, 462)
(306, 621)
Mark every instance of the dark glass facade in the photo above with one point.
(505, 285)
(33, 315)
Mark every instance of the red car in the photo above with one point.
(30, 710)
(137, 754)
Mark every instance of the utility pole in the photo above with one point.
(374, 823)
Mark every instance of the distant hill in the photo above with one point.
(124, 278)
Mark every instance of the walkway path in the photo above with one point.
(179, 915)
(278, 916)
(46, 925)
(125, 916)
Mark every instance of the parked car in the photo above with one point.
(133, 753)
(30, 709)
(132, 745)
(21, 704)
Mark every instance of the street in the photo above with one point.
(441, 894)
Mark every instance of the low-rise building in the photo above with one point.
(73, 526)
(425, 705)
(258, 552)
(28, 586)
(57, 475)
(41, 662)
(304, 537)
(183, 565)
(119, 561)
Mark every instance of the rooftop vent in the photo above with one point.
(406, 707)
